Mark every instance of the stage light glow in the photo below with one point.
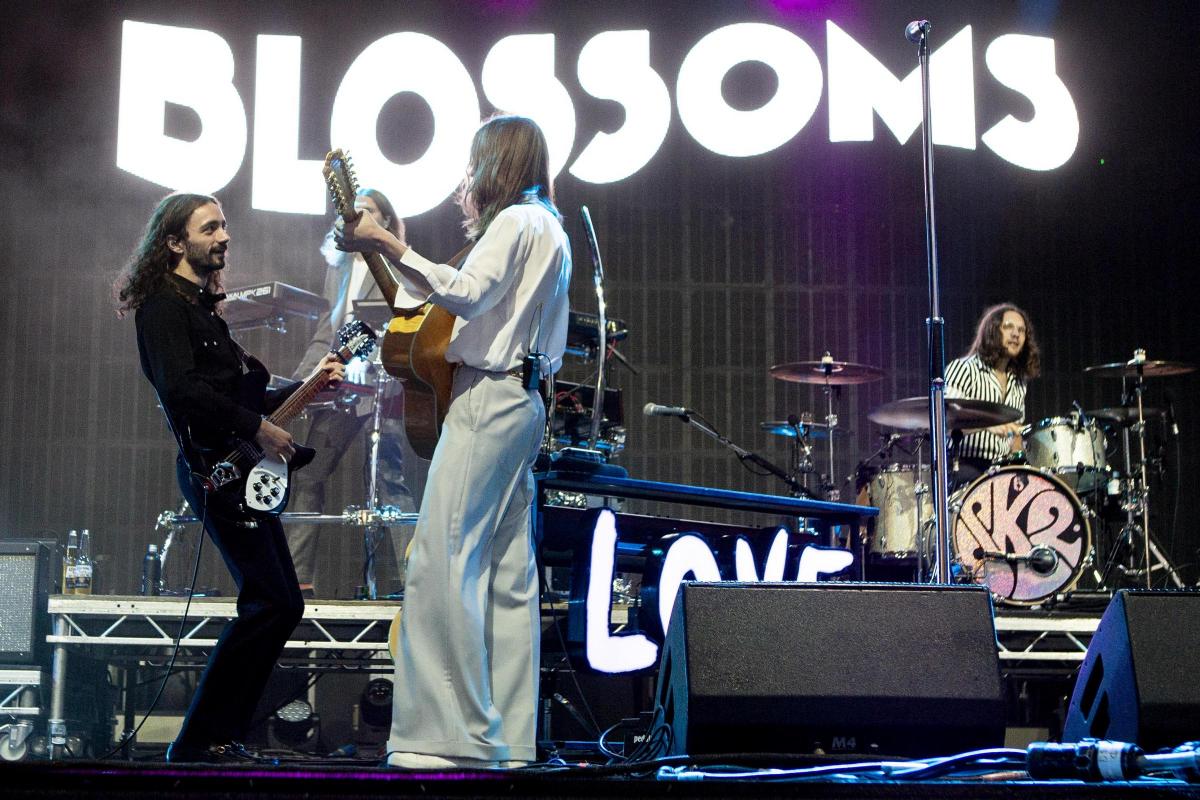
(729, 131)
(408, 62)
(189, 67)
(816, 561)
(282, 182)
(518, 78)
(689, 553)
(743, 559)
(1026, 64)
(615, 65)
(605, 652)
(860, 87)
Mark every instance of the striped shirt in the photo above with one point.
(969, 377)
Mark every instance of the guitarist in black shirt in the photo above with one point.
(172, 284)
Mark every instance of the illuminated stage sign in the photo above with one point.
(676, 558)
(518, 76)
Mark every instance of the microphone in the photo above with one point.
(1171, 421)
(1041, 559)
(655, 410)
(916, 30)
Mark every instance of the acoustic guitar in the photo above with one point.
(414, 349)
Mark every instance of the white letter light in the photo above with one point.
(605, 652)
(518, 78)
(281, 181)
(731, 132)
(1026, 64)
(408, 62)
(190, 67)
(688, 553)
(615, 65)
(860, 86)
(816, 561)
(743, 559)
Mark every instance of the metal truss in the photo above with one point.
(1060, 640)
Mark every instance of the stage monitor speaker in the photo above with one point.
(836, 668)
(1138, 681)
(26, 580)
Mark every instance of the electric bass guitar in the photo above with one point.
(248, 481)
(414, 349)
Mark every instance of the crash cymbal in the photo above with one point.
(912, 414)
(1149, 369)
(1124, 415)
(810, 430)
(826, 371)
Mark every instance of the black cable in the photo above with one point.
(129, 737)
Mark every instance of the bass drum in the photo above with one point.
(1021, 532)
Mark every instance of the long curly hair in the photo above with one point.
(989, 343)
(152, 260)
(509, 164)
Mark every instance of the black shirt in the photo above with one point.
(195, 366)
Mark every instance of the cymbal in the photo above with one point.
(811, 430)
(1124, 415)
(826, 371)
(912, 414)
(1149, 369)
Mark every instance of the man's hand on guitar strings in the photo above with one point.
(335, 368)
(274, 441)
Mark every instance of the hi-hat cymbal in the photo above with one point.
(1123, 415)
(1149, 369)
(826, 371)
(810, 430)
(912, 414)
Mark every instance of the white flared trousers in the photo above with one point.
(467, 664)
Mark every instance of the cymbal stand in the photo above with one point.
(372, 533)
(830, 489)
(1135, 491)
(801, 456)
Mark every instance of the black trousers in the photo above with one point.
(269, 606)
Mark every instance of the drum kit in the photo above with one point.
(1024, 528)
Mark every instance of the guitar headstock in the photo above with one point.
(356, 340)
(341, 182)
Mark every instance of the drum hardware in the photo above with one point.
(831, 375)
(1137, 502)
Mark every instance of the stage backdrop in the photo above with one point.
(756, 190)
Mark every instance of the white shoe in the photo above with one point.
(513, 764)
(423, 761)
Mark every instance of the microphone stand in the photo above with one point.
(918, 34)
(700, 424)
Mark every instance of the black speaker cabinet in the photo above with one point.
(839, 668)
(1138, 682)
(26, 580)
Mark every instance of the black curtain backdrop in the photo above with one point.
(721, 266)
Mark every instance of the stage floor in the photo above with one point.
(352, 780)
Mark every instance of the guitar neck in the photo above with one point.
(383, 277)
(299, 399)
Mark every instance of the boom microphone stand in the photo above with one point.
(917, 32)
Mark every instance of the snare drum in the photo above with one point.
(1072, 450)
(894, 492)
(1020, 532)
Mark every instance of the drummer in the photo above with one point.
(1001, 361)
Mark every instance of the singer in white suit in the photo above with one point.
(467, 665)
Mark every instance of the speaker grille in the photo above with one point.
(18, 582)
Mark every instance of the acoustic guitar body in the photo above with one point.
(414, 351)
